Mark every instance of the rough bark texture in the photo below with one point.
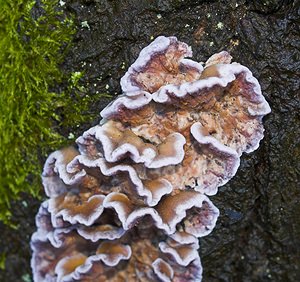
(257, 237)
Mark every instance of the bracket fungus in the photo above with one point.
(131, 200)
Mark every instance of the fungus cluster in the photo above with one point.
(130, 201)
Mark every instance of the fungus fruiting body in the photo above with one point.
(131, 200)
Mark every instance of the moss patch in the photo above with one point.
(33, 42)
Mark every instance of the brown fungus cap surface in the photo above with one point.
(132, 201)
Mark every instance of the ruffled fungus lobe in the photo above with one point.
(131, 202)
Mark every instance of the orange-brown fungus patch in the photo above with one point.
(165, 68)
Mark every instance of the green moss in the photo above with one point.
(26, 278)
(2, 261)
(31, 49)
